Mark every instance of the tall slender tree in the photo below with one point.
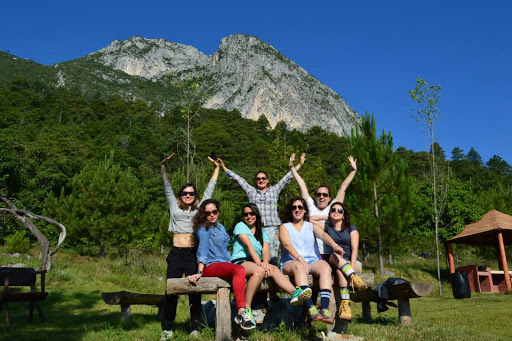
(425, 111)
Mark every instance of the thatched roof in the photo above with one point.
(485, 231)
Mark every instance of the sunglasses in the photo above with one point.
(319, 194)
(339, 210)
(209, 213)
(247, 214)
(184, 194)
(297, 207)
(261, 178)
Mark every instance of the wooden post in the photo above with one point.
(367, 311)
(503, 257)
(404, 311)
(126, 312)
(450, 258)
(223, 326)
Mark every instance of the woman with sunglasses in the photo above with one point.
(340, 229)
(182, 257)
(319, 207)
(300, 256)
(251, 250)
(213, 258)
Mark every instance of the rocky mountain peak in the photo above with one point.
(247, 74)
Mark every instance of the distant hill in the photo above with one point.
(246, 74)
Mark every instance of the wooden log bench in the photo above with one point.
(222, 288)
(401, 292)
(13, 280)
(126, 299)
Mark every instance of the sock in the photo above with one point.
(347, 270)
(309, 303)
(304, 287)
(325, 297)
(345, 293)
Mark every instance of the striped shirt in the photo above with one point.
(265, 200)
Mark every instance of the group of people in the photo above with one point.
(317, 238)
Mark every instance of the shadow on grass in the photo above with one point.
(380, 320)
(70, 317)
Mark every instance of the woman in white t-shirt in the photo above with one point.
(319, 207)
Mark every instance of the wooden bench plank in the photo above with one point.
(401, 292)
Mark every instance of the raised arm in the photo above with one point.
(163, 171)
(241, 181)
(215, 174)
(340, 197)
(302, 185)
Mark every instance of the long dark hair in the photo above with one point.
(346, 215)
(258, 234)
(181, 204)
(199, 219)
(289, 210)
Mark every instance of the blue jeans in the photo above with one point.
(273, 235)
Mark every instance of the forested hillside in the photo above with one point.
(93, 163)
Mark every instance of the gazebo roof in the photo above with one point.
(484, 231)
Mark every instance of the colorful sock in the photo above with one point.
(347, 270)
(345, 293)
(325, 297)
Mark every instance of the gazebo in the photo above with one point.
(494, 229)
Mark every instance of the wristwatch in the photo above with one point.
(199, 272)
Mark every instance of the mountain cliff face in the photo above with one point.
(247, 74)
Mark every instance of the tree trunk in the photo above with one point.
(390, 256)
(379, 234)
(364, 250)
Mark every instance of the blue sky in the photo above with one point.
(369, 52)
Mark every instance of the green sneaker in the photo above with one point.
(299, 296)
(326, 316)
(314, 314)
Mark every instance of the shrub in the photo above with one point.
(17, 243)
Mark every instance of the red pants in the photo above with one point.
(236, 273)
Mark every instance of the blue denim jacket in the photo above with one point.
(213, 245)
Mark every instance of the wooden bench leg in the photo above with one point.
(223, 315)
(126, 312)
(404, 311)
(7, 322)
(31, 312)
(40, 311)
(367, 311)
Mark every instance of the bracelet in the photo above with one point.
(299, 256)
(199, 273)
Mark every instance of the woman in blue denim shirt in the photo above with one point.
(213, 258)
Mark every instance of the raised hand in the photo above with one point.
(353, 162)
(164, 161)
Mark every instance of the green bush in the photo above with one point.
(17, 243)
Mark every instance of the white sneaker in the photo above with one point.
(166, 335)
(259, 316)
(194, 333)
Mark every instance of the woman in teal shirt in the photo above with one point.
(251, 249)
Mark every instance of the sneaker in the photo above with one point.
(245, 320)
(299, 296)
(314, 314)
(357, 283)
(194, 333)
(344, 311)
(166, 335)
(326, 316)
(258, 315)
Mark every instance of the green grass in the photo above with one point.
(75, 310)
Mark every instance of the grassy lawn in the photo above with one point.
(76, 311)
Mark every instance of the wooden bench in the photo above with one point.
(222, 288)
(401, 292)
(126, 299)
(13, 278)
